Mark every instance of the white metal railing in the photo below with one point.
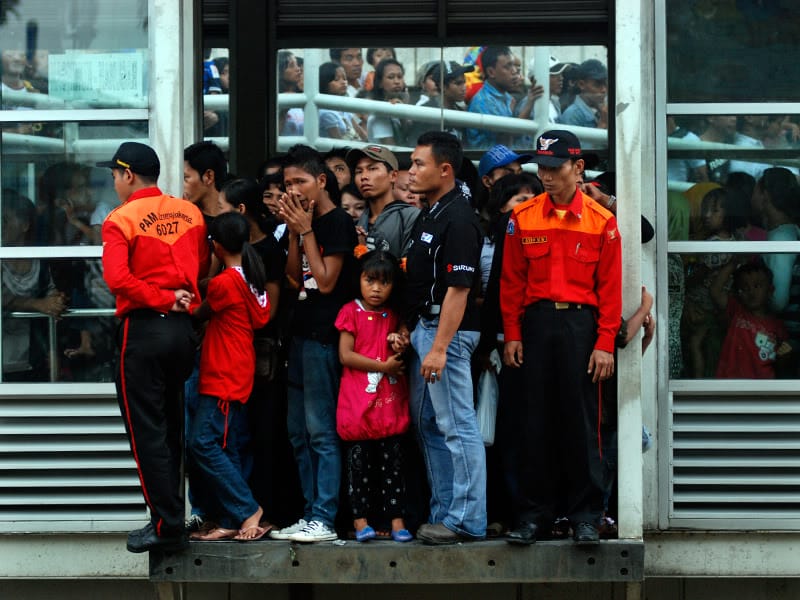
(45, 101)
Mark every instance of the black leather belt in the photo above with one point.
(431, 312)
(550, 305)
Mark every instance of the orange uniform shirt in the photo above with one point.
(153, 244)
(573, 258)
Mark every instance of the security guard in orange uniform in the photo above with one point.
(561, 301)
(154, 250)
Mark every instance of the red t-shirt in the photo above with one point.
(228, 359)
(750, 347)
(371, 405)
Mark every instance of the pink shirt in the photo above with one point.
(371, 405)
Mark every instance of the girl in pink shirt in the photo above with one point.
(372, 411)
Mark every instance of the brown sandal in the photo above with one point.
(217, 534)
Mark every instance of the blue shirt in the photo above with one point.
(579, 113)
(488, 101)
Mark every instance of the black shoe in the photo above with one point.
(524, 535)
(137, 534)
(146, 539)
(585, 534)
(437, 534)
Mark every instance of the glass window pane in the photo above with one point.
(216, 105)
(57, 320)
(734, 315)
(54, 172)
(732, 51)
(483, 107)
(74, 54)
(712, 147)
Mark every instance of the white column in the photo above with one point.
(633, 70)
(174, 77)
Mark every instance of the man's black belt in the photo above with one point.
(149, 313)
(431, 311)
(550, 305)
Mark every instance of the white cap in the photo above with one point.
(556, 68)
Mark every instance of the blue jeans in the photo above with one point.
(444, 416)
(221, 469)
(190, 399)
(314, 374)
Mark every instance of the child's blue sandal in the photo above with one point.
(402, 535)
(366, 534)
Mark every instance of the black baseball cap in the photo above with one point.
(592, 69)
(139, 158)
(555, 147)
(451, 70)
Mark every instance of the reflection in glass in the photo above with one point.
(714, 147)
(732, 51)
(71, 195)
(724, 318)
(57, 321)
(74, 55)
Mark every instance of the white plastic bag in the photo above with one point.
(487, 405)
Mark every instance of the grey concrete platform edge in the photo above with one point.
(492, 561)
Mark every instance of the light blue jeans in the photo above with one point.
(314, 374)
(444, 416)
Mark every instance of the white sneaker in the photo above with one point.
(283, 534)
(315, 531)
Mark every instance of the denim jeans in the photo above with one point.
(220, 470)
(444, 416)
(314, 374)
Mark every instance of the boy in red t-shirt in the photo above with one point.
(755, 339)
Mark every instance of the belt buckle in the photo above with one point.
(561, 305)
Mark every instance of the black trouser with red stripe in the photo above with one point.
(561, 473)
(156, 356)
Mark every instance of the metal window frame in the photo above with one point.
(173, 123)
(668, 388)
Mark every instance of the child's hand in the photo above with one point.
(398, 342)
(784, 349)
(394, 366)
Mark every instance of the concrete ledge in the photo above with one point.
(722, 554)
(390, 562)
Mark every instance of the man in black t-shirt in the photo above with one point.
(442, 265)
(319, 264)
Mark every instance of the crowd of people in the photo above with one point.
(325, 321)
(491, 84)
(735, 315)
(731, 314)
(327, 358)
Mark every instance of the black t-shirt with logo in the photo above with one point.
(315, 312)
(444, 252)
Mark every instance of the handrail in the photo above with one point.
(52, 339)
(45, 101)
(456, 118)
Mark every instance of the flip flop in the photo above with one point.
(260, 532)
(215, 535)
